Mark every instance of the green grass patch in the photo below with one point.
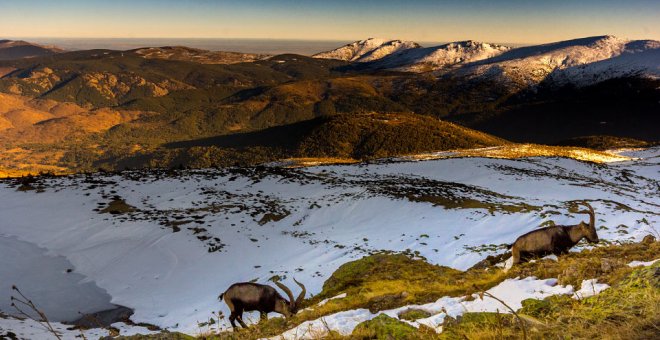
(385, 328)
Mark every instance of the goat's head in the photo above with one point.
(291, 307)
(589, 232)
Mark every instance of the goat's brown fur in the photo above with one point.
(248, 296)
(555, 240)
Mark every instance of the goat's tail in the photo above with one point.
(220, 297)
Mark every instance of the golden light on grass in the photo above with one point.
(513, 151)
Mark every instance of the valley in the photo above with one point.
(152, 107)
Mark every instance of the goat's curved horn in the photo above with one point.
(591, 213)
(301, 297)
(287, 291)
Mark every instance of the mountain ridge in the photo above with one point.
(17, 49)
(581, 61)
(367, 50)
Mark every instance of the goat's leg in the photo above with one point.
(232, 317)
(239, 317)
(515, 256)
(263, 316)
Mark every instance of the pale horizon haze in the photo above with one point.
(511, 21)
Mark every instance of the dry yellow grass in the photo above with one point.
(311, 161)
(27, 120)
(32, 130)
(528, 150)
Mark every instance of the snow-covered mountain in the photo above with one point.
(367, 50)
(580, 61)
(167, 243)
(439, 57)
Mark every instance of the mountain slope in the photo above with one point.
(367, 50)
(348, 137)
(17, 49)
(580, 62)
(438, 57)
(197, 55)
(221, 226)
(99, 78)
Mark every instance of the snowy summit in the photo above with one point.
(367, 50)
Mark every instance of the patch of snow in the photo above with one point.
(324, 301)
(552, 257)
(508, 264)
(590, 288)
(634, 264)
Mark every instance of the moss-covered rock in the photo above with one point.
(544, 308)
(381, 267)
(413, 314)
(384, 327)
(479, 326)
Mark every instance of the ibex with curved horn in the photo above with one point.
(555, 240)
(248, 296)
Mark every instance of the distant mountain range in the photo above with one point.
(580, 61)
(174, 105)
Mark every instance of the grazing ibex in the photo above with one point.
(248, 296)
(555, 240)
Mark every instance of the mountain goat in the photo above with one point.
(248, 296)
(555, 240)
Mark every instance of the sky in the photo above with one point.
(512, 21)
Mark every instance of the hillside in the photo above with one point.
(342, 137)
(137, 238)
(369, 135)
(99, 78)
(198, 55)
(36, 133)
(17, 49)
(385, 135)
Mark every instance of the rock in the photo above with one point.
(607, 265)
(413, 314)
(384, 327)
(104, 318)
(491, 261)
